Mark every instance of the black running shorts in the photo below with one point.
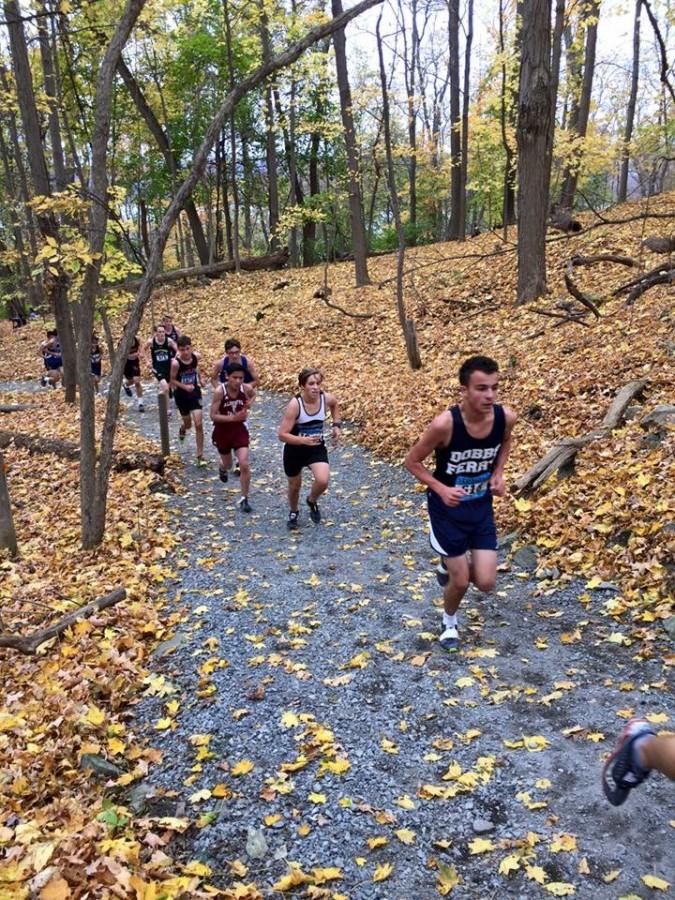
(296, 457)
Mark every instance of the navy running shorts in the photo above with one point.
(187, 402)
(455, 529)
(132, 369)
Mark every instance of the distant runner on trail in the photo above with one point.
(132, 373)
(301, 431)
(234, 356)
(169, 328)
(187, 392)
(95, 357)
(51, 354)
(229, 411)
(158, 351)
(471, 442)
(638, 750)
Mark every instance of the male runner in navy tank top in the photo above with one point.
(471, 442)
(234, 357)
(186, 382)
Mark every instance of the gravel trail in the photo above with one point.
(331, 731)
(313, 657)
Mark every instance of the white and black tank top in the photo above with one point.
(310, 424)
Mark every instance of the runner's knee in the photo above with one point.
(485, 582)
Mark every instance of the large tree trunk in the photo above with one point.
(359, 245)
(233, 143)
(456, 229)
(57, 285)
(410, 72)
(94, 477)
(579, 122)
(534, 148)
(630, 110)
(508, 104)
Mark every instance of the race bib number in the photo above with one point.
(476, 486)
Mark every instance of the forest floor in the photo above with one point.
(292, 684)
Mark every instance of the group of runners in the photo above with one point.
(470, 443)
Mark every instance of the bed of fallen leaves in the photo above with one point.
(607, 522)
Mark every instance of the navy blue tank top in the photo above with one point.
(225, 368)
(469, 462)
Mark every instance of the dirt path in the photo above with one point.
(312, 659)
(305, 713)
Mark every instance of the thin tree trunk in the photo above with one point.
(270, 143)
(57, 285)
(571, 173)
(246, 163)
(630, 110)
(359, 245)
(455, 229)
(534, 148)
(465, 120)
(407, 325)
(309, 227)
(164, 147)
(233, 143)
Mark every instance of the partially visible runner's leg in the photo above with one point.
(320, 478)
(197, 417)
(242, 456)
(294, 485)
(458, 582)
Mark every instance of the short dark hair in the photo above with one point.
(52, 332)
(476, 364)
(231, 343)
(235, 367)
(159, 325)
(306, 374)
(183, 341)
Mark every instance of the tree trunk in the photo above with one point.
(410, 72)
(465, 121)
(455, 229)
(233, 143)
(60, 177)
(580, 122)
(407, 325)
(246, 163)
(57, 285)
(359, 245)
(630, 110)
(270, 143)
(507, 104)
(534, 148)
(309, 227)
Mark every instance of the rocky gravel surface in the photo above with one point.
(308, 662)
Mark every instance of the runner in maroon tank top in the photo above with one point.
(229, 411)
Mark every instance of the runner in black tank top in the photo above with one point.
(186, 382)
(471, 443)
(301, 431)
(159, 350)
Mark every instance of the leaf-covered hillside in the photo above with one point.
(610, 520)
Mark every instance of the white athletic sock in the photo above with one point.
(450, 621)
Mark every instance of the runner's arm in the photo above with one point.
(215, 373)
(253, 372)
(334, 407)
(437, 434)
(173, 381)
(284, 434)
(147, 355)
(249, 390)
(217, 416)
(497, 483)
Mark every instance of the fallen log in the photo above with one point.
(248, 264)
(662, 268)
(12, 407)
(29, 643)
(122, 462)
(562, 455)
(667, 277)
(579, 260)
